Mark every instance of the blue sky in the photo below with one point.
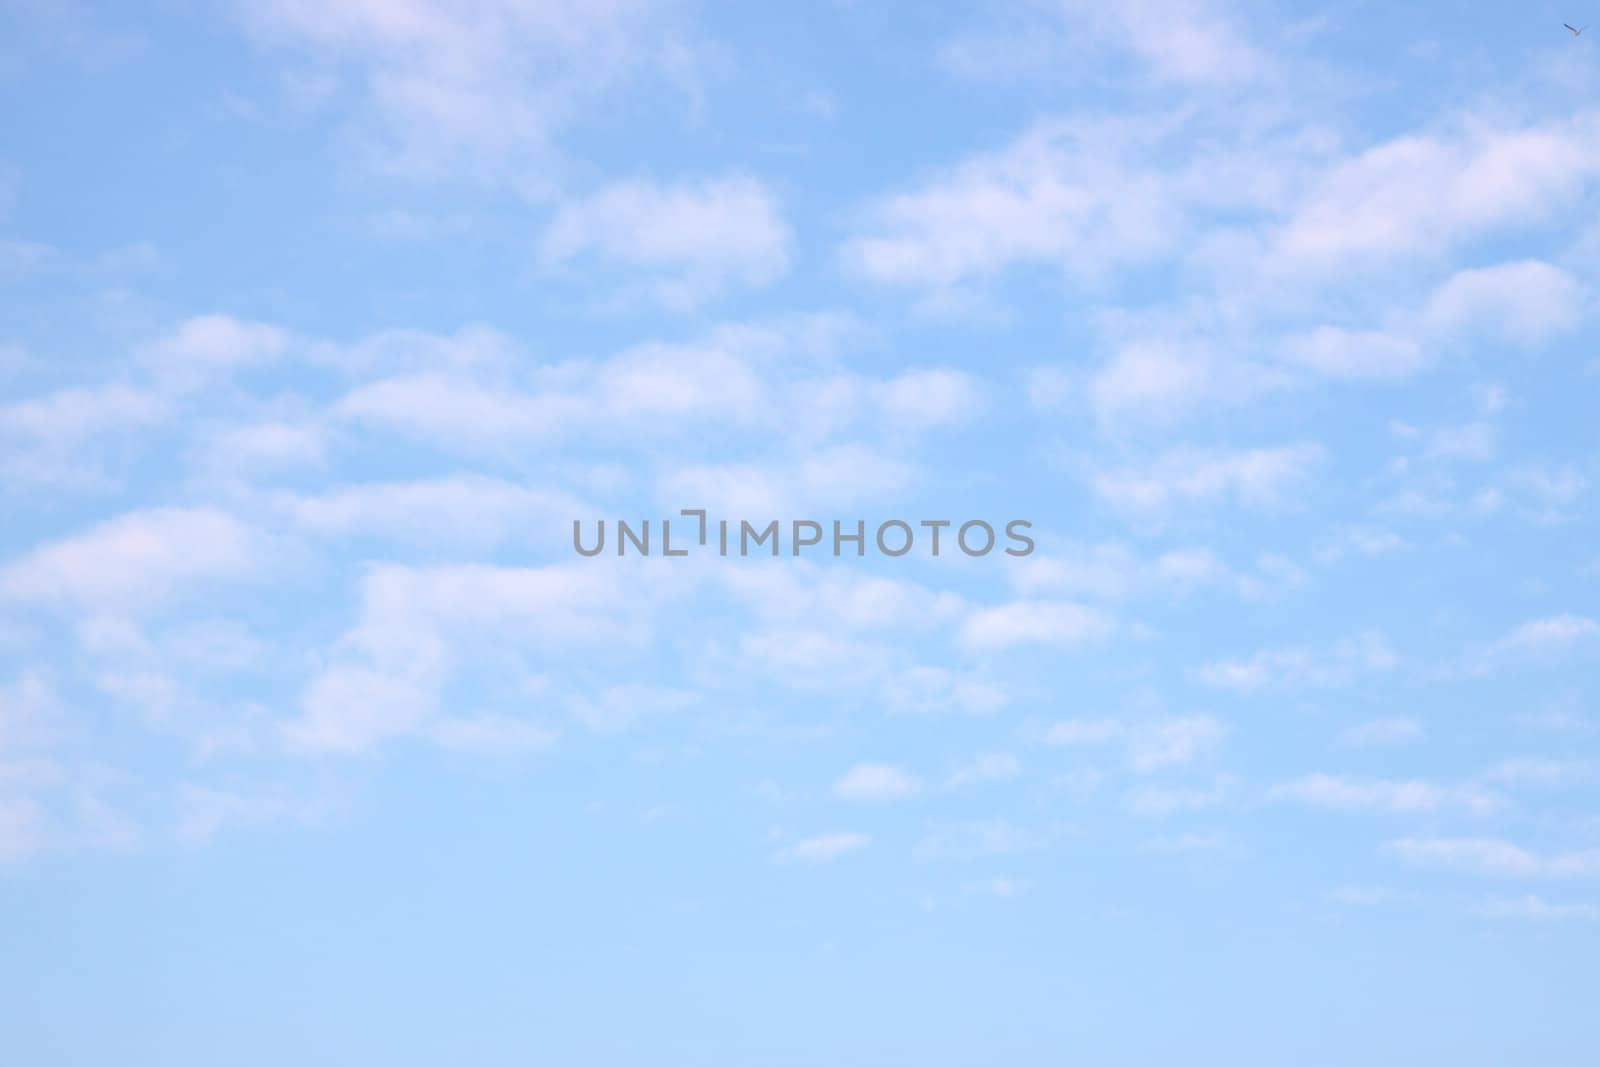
(324, 321)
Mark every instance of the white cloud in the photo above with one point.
(1004, 888)
(1188, 844)
(495, 735)
(1492, 856)
(1180, 42)
(137, 560)
(1355, 355)
(1155, 801)
(620, 707)
(1084, 732)
(1367, 541)
(923, 399)
(265, 445)
(1061, 196)
(1523, 770)
(418, 625)
(976, 838)
(216, 342)
(1470, 441)
(986, 767)
(1108, 571)
(349, 709)
(461, 412)
(1526, 302)
(1113, 571)
(876, 781)
(1154, 379)
(464, 510)
(477, 392)
(925, 689)
(691, 240)
(662, 381)
(27, 707)
(1051, 388)
(1342, 793)
(477, 89)
(1531, 906)
(1422, 194)
(1361, 896)
(1024, 622)
(73, 414)
(1373, 733)
(1172, 742)
(837, 597)
(825, 847)
(1249, 477)
(204, 811)
(1556, 633)
(1150, 745)
(1341, 664)
(22, 829)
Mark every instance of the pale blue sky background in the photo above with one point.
(322, 321)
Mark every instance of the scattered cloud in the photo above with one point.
(1531, 906)
(1343, 663)
(824, 848)
(985, 768)
(690, 241)
(475, 92)
(1493, 856)
(1025, 622)
(1186, 475)
(1341, 793)
(138, 560)
(1375, 733)
(876, 782)
(975, 839)
(1148, 745)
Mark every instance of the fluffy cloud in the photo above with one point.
(824, 847)
(1189, 43)
(1341, 793)
(418, 625)
(1396, 730)
(216, 342)
(1532, 906)
(875, 781)
(985, 768)
(1148, 746)
(1250, 477)
(1060, 196)
(76, 413)
(1422, 194)
(1114, 571)
(1526, 302)
(1493, 856)
(1163, 801)
(1553, 634)
(925, 689)
(480, 88)
(976, 838)
(690, 240)
(470, 511)
(1027, 622)
(1344, 662)
(137, 560)
(1158, 379)
(1355, 355)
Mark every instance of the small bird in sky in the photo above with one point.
(1577, 31)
